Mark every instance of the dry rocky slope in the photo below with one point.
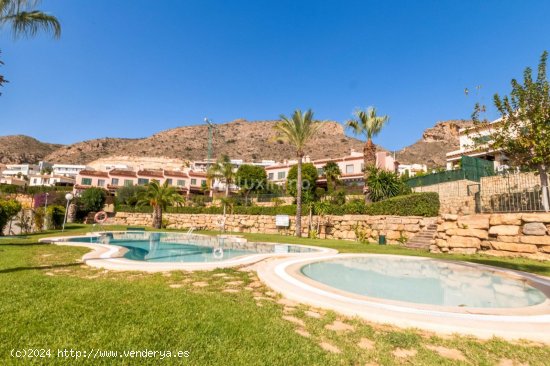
(21, 149)
(240, 138)
(434, 144)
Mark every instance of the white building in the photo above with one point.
(67, 170)
(412, 169)
(13, 181)
(20, 170)
(50, 180)
(475, 142)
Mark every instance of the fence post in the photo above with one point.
(545, 198)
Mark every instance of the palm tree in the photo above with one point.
(159, 197)
(368, 123)
(332, 173)
(224, 171)
(26, 21)
(298, 131)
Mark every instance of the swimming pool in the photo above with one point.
(438, 295)
(180, 247)
(424, 282)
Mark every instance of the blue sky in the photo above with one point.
(133, 68)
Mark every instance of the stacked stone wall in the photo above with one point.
(511, 234)
(353, 227)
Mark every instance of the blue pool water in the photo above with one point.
(424, 282)
(175, 247)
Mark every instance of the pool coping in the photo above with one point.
(109, 256)
(281, 276)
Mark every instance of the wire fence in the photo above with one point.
(510, 192)
(470, 169)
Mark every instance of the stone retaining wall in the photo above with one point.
(453, 196)
(396, 228)
(514, 234)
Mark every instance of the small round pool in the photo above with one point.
(429, 282)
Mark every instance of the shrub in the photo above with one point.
(309, 179)
(128, 195)
(8, 209)
(39, 218)
(384, 184)
(92, 199)
(415, 204)
(237, 210)
(56, 215)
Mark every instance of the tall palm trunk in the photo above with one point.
(369, 160)
(545, 189)
(299, 197)
(157, 217)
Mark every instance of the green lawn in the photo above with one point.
(49, 300)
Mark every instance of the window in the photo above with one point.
(114, 181)
(169, 180)
(193, 182)
(270, 176)
(349, 169)
(203, 183)
(34, 180)
(320, 172)
(143, 181)
(86, 181)
(128, 182)
(101, 182)
(362, 167)
(181, 182)
(281, 175)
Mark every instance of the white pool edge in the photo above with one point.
(109, 257)
(531, 327)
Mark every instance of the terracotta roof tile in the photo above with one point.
(174, 173)
(94, 173)
(151, 173)
(122, 173)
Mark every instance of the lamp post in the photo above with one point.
(68, 197)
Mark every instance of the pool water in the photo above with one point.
(175, 247)
(423, 281)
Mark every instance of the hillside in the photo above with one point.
(238, 139)
(24, 149)
(434, 144)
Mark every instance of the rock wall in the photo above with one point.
(514, 234)
(396, 228)
(453, 196)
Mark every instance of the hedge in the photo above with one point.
(415, 204)
(12, 189)
(237, 210)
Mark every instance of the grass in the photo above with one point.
(48, 299)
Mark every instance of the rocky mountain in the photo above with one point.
(240, 139)
(22, 149)
(434, 144)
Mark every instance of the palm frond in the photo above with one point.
(25, 20)
(299, 129)
(367, 122)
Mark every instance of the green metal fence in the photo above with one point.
(470, 168)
